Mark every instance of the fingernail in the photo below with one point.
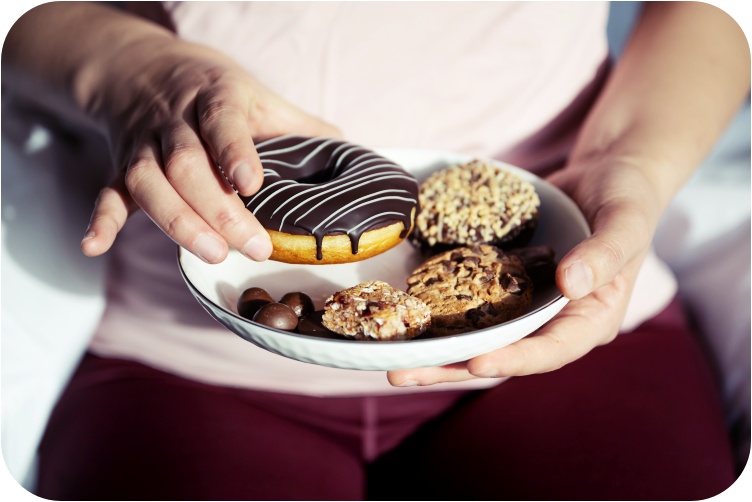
(258, 247)
(579, 279)
(208, 248)
(408, 383)
(242, 176)
(90, 234)
(487, 373)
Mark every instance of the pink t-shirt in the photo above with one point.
(496, 79)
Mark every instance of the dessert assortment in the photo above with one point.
(327, 201)
(470, 221)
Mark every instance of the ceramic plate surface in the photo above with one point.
(217, 287)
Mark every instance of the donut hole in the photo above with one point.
(316, 178)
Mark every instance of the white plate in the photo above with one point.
(217, 288)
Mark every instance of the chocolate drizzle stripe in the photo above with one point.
(339, 214)
(273, 140)
(313, 188)
(305, 160)
(357, 174)
(339, 192)
(357, 163)
(370, 155)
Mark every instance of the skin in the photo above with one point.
(683, 75)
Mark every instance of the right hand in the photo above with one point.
(173, 112)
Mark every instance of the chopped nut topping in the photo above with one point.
(375, 310)
(474, 203)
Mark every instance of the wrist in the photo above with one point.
(640, 149)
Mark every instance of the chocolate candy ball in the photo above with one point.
(251, 300)
(301, 303)
(277, 315)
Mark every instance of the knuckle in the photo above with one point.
(560, 356)
(518, 365)
(137, 175)
(106, 222)
(214, 112)
(556, 352)
(228, 219)
(230, 149)
(179, 160)
(614, 250)
(174, 223)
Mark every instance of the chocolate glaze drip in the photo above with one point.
(323, 186)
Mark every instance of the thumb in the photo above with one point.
(286, 118)
(621, 232)
(309, 125)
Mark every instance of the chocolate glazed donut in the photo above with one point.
(325, 200)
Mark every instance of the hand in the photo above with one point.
(598, 275)
(173, 112)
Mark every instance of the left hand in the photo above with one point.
(619, 201)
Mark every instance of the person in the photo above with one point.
(166, 404)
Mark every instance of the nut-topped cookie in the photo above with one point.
(469, 288)
(472, 203)
(375, 310)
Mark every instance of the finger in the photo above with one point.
(149, 188)
(456, 372)
(223, 124)
(111, 209)
(191, 172)
(621, 232)
(563, 340)
(581, 326)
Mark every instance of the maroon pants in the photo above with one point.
(637, 419)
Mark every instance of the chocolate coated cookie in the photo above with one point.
(473, 203)
(469, 288)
